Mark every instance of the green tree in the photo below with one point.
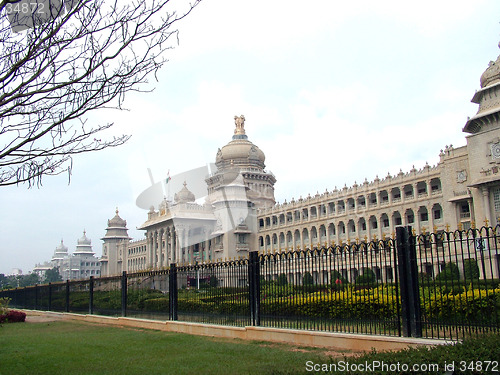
(449, 272)
(28, 280)
(307, 279)
(52, 275)
(471, 269)
(4, 281)
(367, 277)
(213, 281)
(282, 280)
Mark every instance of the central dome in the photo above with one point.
(240, 151)
(492, 74)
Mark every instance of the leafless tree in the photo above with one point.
(56, 67)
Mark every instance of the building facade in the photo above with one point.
(80, 265)
(183, 230)
(240, 214)
(462, 190)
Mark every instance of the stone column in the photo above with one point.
(161, 253)
(174, 245)
(486, 203)
(155, 249)
(430, 214)
(150, 251)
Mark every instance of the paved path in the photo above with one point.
(42, 318)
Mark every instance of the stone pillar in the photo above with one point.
(156, 250)
(486, 203)
(151, 251)
(161, 252)
(207, 251)
(174, 245)
(430, 214)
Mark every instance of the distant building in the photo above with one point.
(80, 265)
(16, 272)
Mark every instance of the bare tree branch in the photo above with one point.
(87, 56)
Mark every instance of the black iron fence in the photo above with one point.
(439, 285)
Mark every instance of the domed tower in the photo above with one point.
(239, 187)
(60, 252)
(84, 246)
(240, 156)
(488, 98)
(115, 242)
(59, 257)
(483, 147)
(184, 195)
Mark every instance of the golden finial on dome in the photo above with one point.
(240, 124)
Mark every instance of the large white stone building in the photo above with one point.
(240, 215)
(463, 189)
(183, 231)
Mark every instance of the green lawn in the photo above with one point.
(81, 348)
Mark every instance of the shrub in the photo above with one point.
(471, 270)
(13, 316)
(213, 281)
(282, 280)
(4, 303)
(366, 278)
(156, 304)
(472, 305)
(449, 272)
(307, 279)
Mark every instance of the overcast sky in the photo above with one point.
(333, 92)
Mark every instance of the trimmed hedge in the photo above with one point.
(472, 305)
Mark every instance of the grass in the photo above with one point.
(64, 347)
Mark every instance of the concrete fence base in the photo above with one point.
(334, 340)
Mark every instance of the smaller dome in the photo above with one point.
(84, 240)
(492, 74)
(117, 221)
(61, 248)
(184, 195)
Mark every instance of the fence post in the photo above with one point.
(124, 293)
(172, 292)
(67, 295)
(254, 287)
(50, 297)
(36, 296)
(91, 295)
(408, 281)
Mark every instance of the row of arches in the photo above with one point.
(420, 189)
(344, 230)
